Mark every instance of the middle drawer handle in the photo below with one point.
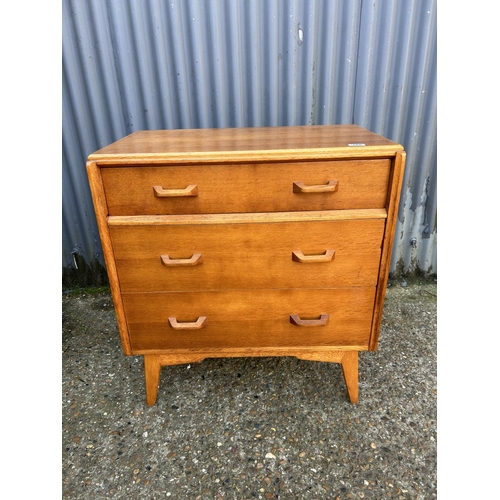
(330, 187)
(191, 190)
(194, 325)
(296, 320)
(195, 260)
(298, 256)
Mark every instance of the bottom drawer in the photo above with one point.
(245, 318)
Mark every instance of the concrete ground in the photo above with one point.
(251, 428)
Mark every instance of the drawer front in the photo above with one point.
(244, 318)
(273, 187)
(244, 256)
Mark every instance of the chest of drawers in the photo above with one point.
(268, 241)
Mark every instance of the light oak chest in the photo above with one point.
(248, 242)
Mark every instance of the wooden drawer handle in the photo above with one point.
(322, 321)
(330, 187)
(195, 260)
(191, 190)
(298, 256)
(195, 325)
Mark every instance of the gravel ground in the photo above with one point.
(250, 428)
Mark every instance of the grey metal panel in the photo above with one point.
(396, 97)
(135, 64)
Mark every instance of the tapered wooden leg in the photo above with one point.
(350, 369)
(349, 362)
(152, 369)
(154, 362)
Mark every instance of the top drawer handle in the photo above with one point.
(191, 190)
(195, 260)
(298, 256)
(330, 187)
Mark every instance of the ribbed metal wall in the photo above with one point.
(153, 64)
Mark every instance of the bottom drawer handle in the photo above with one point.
(196, 325)
(322, 321)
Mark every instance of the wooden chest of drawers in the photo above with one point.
(248, 242)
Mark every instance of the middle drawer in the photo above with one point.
(314, 254)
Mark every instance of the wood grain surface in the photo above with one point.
(249, 187)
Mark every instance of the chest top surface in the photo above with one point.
(259, 143)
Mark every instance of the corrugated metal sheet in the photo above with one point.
(136, 64)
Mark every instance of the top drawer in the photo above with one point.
(257, 187)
